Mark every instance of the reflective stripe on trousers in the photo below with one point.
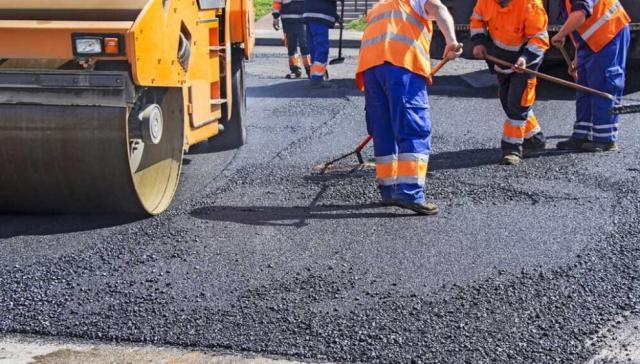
(399, 119)
(604, 71)
(318, 42)
(517, 96)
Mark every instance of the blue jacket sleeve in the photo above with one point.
(586, 6)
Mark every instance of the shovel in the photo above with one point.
(340, 59)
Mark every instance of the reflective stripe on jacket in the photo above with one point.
(321, 11)
(606, 21)
(288, 9)
(520, 27)
(395, 33)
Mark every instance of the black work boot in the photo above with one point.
(307, 69)
(572, 144)
(535, 144)
(595, 147)
(296, 72)
(424, 208)
(511, 159)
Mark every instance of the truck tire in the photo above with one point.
(235, 132)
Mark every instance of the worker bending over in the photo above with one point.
(601, 34)
(515, 31)
(295, 34)
(393, 70)
(320, 16)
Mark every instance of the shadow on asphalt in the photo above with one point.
(473, 158)
(42, 225)
(296, 216)
(453, 86)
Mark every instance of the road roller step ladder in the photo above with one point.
(100, 99)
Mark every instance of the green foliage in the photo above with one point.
(358, 24)
(263, 7)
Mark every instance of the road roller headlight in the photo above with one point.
(88, 46)
(101, 45)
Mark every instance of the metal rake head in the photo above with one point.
(625, 109)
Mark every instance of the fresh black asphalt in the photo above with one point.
(261, 253)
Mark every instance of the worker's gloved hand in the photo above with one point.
(276, 22)
(480, 51)
(452, 51)
(559, 40)
(520, 65)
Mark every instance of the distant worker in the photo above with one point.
(600, 31)
(295, 34)
(394, 70)
(515, 31)
(320, 16)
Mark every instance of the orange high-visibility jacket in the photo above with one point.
(606, 21)
(522, 23)
(395, 33)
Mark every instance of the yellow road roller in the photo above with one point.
(100, 99)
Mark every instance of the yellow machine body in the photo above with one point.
(169, 45)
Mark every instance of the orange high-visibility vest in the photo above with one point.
(395, 33)
(606, 21)
(522, 22)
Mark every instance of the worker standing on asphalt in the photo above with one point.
(393, 70)
(515, 31)
(295, 34)
(600, 31)
(320, 16)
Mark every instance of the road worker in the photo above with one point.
(600, 31)
(295, 34)
(320, 16)
(393, 70)
(515, 31)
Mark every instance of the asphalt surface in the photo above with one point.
(262, 254)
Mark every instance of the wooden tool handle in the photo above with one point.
(442, 63)
(555, 80)
(363, 143)
(566, 57)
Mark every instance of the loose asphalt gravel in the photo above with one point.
(535, 263)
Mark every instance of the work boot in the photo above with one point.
(595, 147)
(531, 146)
(296, 72)
(422, 208)
(572, 144)
(511, 159)
(387, 202)
(307, 69)
(326, 75)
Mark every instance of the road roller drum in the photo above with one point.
(99, 100)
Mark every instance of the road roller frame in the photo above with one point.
(147, 64)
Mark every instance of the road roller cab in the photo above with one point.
(100, 99)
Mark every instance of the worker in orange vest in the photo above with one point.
(600, 31)
(393, 71)
(515, 31)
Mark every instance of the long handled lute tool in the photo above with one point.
(619, 106)
(358, 151)
(340, 58)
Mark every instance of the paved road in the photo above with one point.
(261, 254)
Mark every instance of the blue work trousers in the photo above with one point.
(604, 71)
(318, 43)
(399, 119)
